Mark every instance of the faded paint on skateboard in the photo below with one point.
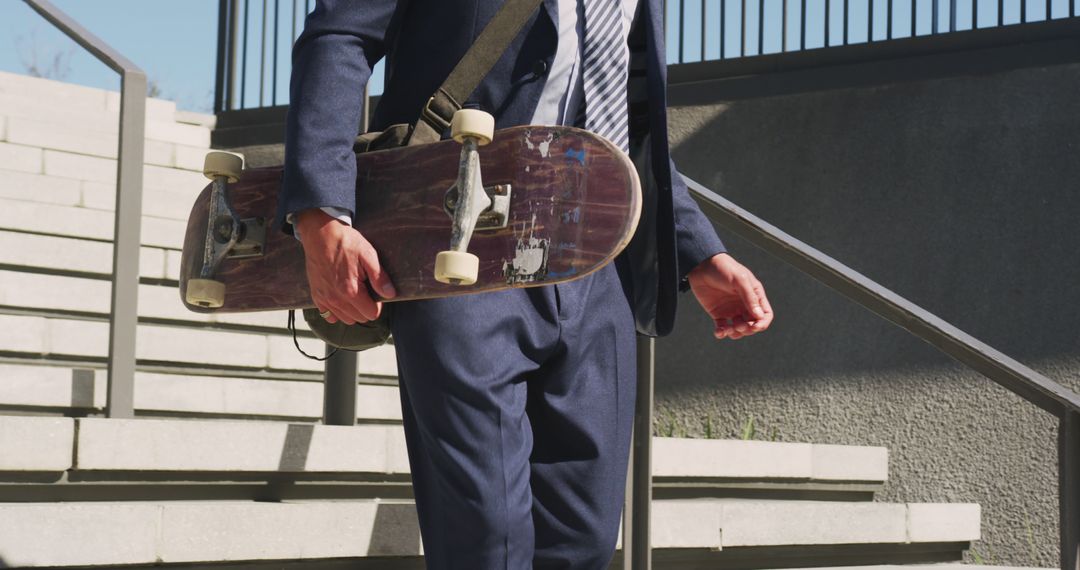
(574, 204)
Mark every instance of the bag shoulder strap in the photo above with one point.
(471, 69)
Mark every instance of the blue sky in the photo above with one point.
(175, 41)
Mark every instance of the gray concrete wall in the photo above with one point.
(960, 194)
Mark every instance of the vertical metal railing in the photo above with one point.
(123, 312)
(341, 367)
(637, 513)
(772, 32)
(269, 65)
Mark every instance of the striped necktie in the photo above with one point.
(604, 71)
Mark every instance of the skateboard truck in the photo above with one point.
(456, 266)
(226, 234)
(496, 216)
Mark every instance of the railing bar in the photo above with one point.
(703, 6)
(974, 14)
(273, 86)
(80, 35)
(1023, 11)
(934, 17)
(1049, 10)
(1069, 489)
(219, 72)
(292, 38)
(126, 229)
(1001, 13)
(761, 27)
(742, 31)
(888, 20)
(682, 27)
(914, 15)
(784, 28)
(234, 26)
(846, 9)
(828, 13)
(723, 26)
(262, 59)
(1007, 372)
(802, 24)
(243, 63)
(641, 450)
(952, 15)
(870, 21)
(123, 311)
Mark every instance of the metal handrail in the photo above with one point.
(123, 314)
(1019, 379)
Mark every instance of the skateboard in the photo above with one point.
(484, 211)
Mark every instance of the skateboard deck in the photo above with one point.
(569, 200)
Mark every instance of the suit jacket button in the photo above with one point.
(540, 67)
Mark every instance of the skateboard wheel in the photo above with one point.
(472, 123)
(206, 293)
(225, 164)
(456, 267)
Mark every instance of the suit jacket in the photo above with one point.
(422, 40)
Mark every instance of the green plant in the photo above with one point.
(1033, 551)
(748, 430)
(989, 559)
(709, 433)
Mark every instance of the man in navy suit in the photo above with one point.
(516, 405)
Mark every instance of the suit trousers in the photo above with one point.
(517, 407)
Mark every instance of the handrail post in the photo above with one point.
(637, 544)
(339, 388)
(219, 72)
(339, 372)
(1069, 489)
(123, 312)
(233, 33)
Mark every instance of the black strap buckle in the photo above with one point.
(432, 117)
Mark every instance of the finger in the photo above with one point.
(722, 329)
(764, 301)
(746, 284)
(338, 312)
(379, 279)
(763, 323)
(327, 315)
(361, 306)
(740, 325)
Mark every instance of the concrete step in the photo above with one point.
(69, 534)
(23, 95)
(167, 192)
(85, 223)
(167, 143)
(59, 338)
(19, 251)
(43, 292)
(47, 389)
(187, 446)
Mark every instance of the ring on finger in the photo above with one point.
(325, 314)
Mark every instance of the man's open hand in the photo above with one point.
(732, 296)
(339, 261)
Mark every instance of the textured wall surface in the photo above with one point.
(960, 194)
